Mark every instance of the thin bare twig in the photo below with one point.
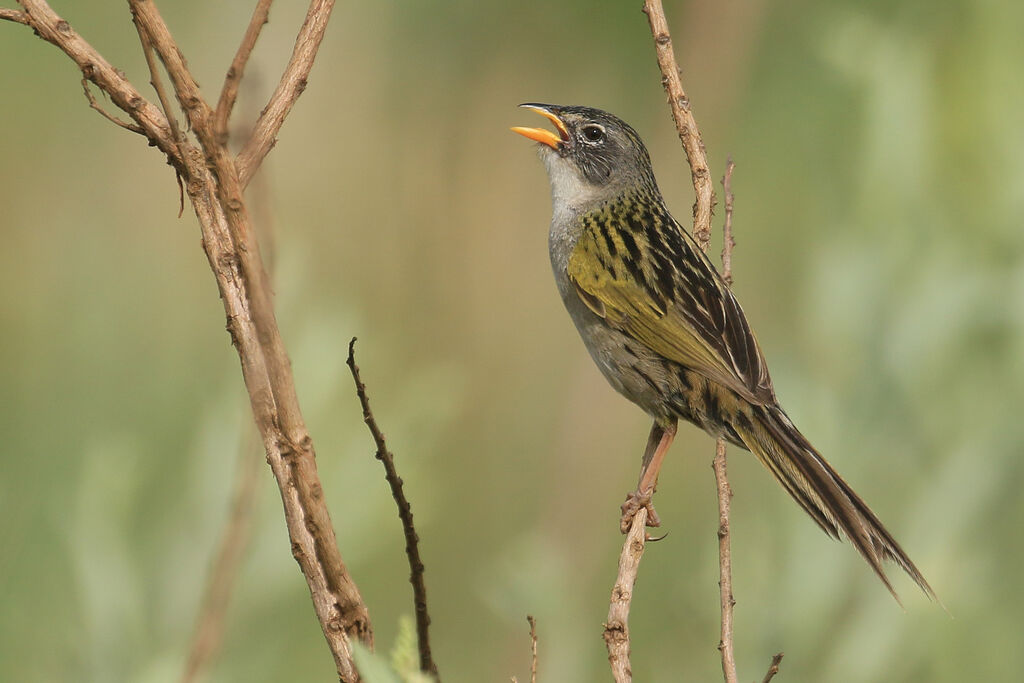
(15, 16)
(229, 93)
(155, 36)
(107, 115)
(728, 243)
(774, 668)
(412, 540)
(616, 628)
(533, 648)
(686, 126)
(291, 85)
(725, 644)
(157, 82)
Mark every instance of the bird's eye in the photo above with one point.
(593, 133)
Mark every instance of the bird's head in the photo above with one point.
(590, 154)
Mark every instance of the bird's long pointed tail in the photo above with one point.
(769, 433)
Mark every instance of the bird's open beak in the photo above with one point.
(541, 135)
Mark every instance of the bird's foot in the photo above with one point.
(636, 501)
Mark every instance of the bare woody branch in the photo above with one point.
(51, 28)
(291, 85)
(155, 36)
(158, 84)
(412, 540)
(616, 629)
(686, 126)
(213, 187)
(338, 603)
(336, 599)
(223, 575)
(229, 93)
(14, 15)
(229, 193)
(725, 643)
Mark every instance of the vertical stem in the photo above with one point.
(686, 125)
(725, 645)
(616, 629)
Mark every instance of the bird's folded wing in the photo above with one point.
(688, 316)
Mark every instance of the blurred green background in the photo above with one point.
(879, 188)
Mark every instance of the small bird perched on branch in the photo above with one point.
(666, 331)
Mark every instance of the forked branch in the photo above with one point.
(212, 182)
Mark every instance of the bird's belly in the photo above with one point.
(633, 370)
(662, 388)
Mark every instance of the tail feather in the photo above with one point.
(770, 435)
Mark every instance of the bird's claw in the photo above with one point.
(636, 501)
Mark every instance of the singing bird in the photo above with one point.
(667, 332)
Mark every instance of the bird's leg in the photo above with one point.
(657, 445)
